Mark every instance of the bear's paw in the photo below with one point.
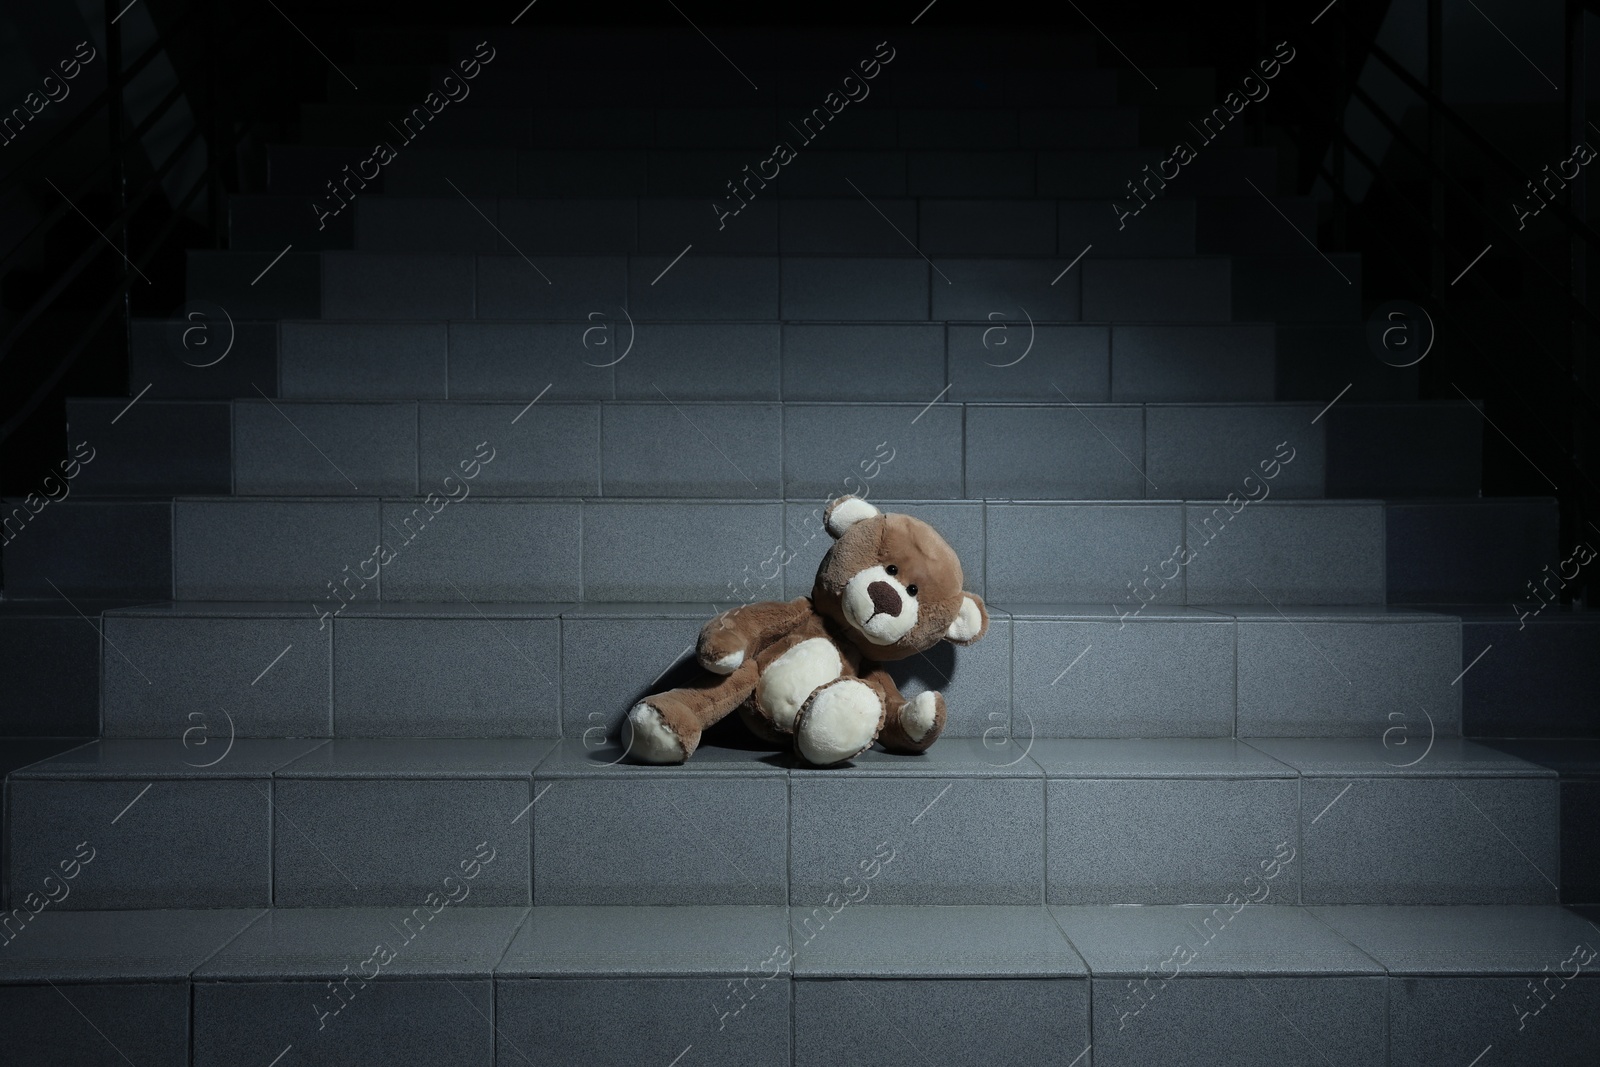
(649, 738)
(919, 715)
(839, 722)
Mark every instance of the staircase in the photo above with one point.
(316, 674)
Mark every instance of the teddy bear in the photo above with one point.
(809, 672)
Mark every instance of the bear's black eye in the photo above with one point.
(892, 570)
(911, 589)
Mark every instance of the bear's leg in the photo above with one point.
(790, 672)
(838, 722)
(761, 726)
(910, 726)
(666, 728)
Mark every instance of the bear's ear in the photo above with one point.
(846, 512)
(970, 623)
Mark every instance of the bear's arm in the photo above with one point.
(741, 633)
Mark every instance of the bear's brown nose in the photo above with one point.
(885, 601)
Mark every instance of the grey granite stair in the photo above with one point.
(1262, 761)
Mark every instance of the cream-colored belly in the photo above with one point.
(793, 676)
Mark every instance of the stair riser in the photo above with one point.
(477, 677)
(503, 361)
(575, 226)
(368, 286)
(1462, 840)
(99, 1023)
(818, 168)
(52, 673)
(685, 449)
(727, 839)
(1530, 673)
(497, 120)
(183, 843)
(1483, 551)
(1431, 1020)
(605, 357)
(1248, 678)
(503, 549)
(1158, 1019)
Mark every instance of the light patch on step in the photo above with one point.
(794, 676)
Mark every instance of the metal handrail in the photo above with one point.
(94, 250)
(1378, 173)
(1480, 142)
(94, 107)
(1557, 384)
(118, 295)
(209, 122)
(1470, 336)
(60, 211)
(1433, 168)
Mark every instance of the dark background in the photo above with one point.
(1498, 91)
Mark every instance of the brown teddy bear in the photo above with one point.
(888, 588)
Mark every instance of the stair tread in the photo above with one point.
(1165, 758)
(1241, 939)
(118, 946)
(992, 756)
(1460, 939)
(1572, 757)
(190, 757)
(571, 941)
(415, 757)
(1484, 503)
(323, 943)
(1375, 757)
(861, 940)
(632, 609)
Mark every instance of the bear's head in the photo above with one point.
(893, 583)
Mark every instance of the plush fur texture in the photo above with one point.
(806, 673)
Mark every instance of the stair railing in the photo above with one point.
(219, 124)
(1539, 385)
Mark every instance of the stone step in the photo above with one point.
(681, 446)
(1219, 362)
(367, 286)
(49, 660)
(1299, 552)
(359, 822)
(817, 168)
(500, 116)
(667, 46)
(1473, 551)
(1008, 353)
(688, 80)
(1577, 761)
(17, 752)
(743, 985)
(1423, 985)
(1529, 665)
(493, 669)
(793, 226)
(546, 670)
